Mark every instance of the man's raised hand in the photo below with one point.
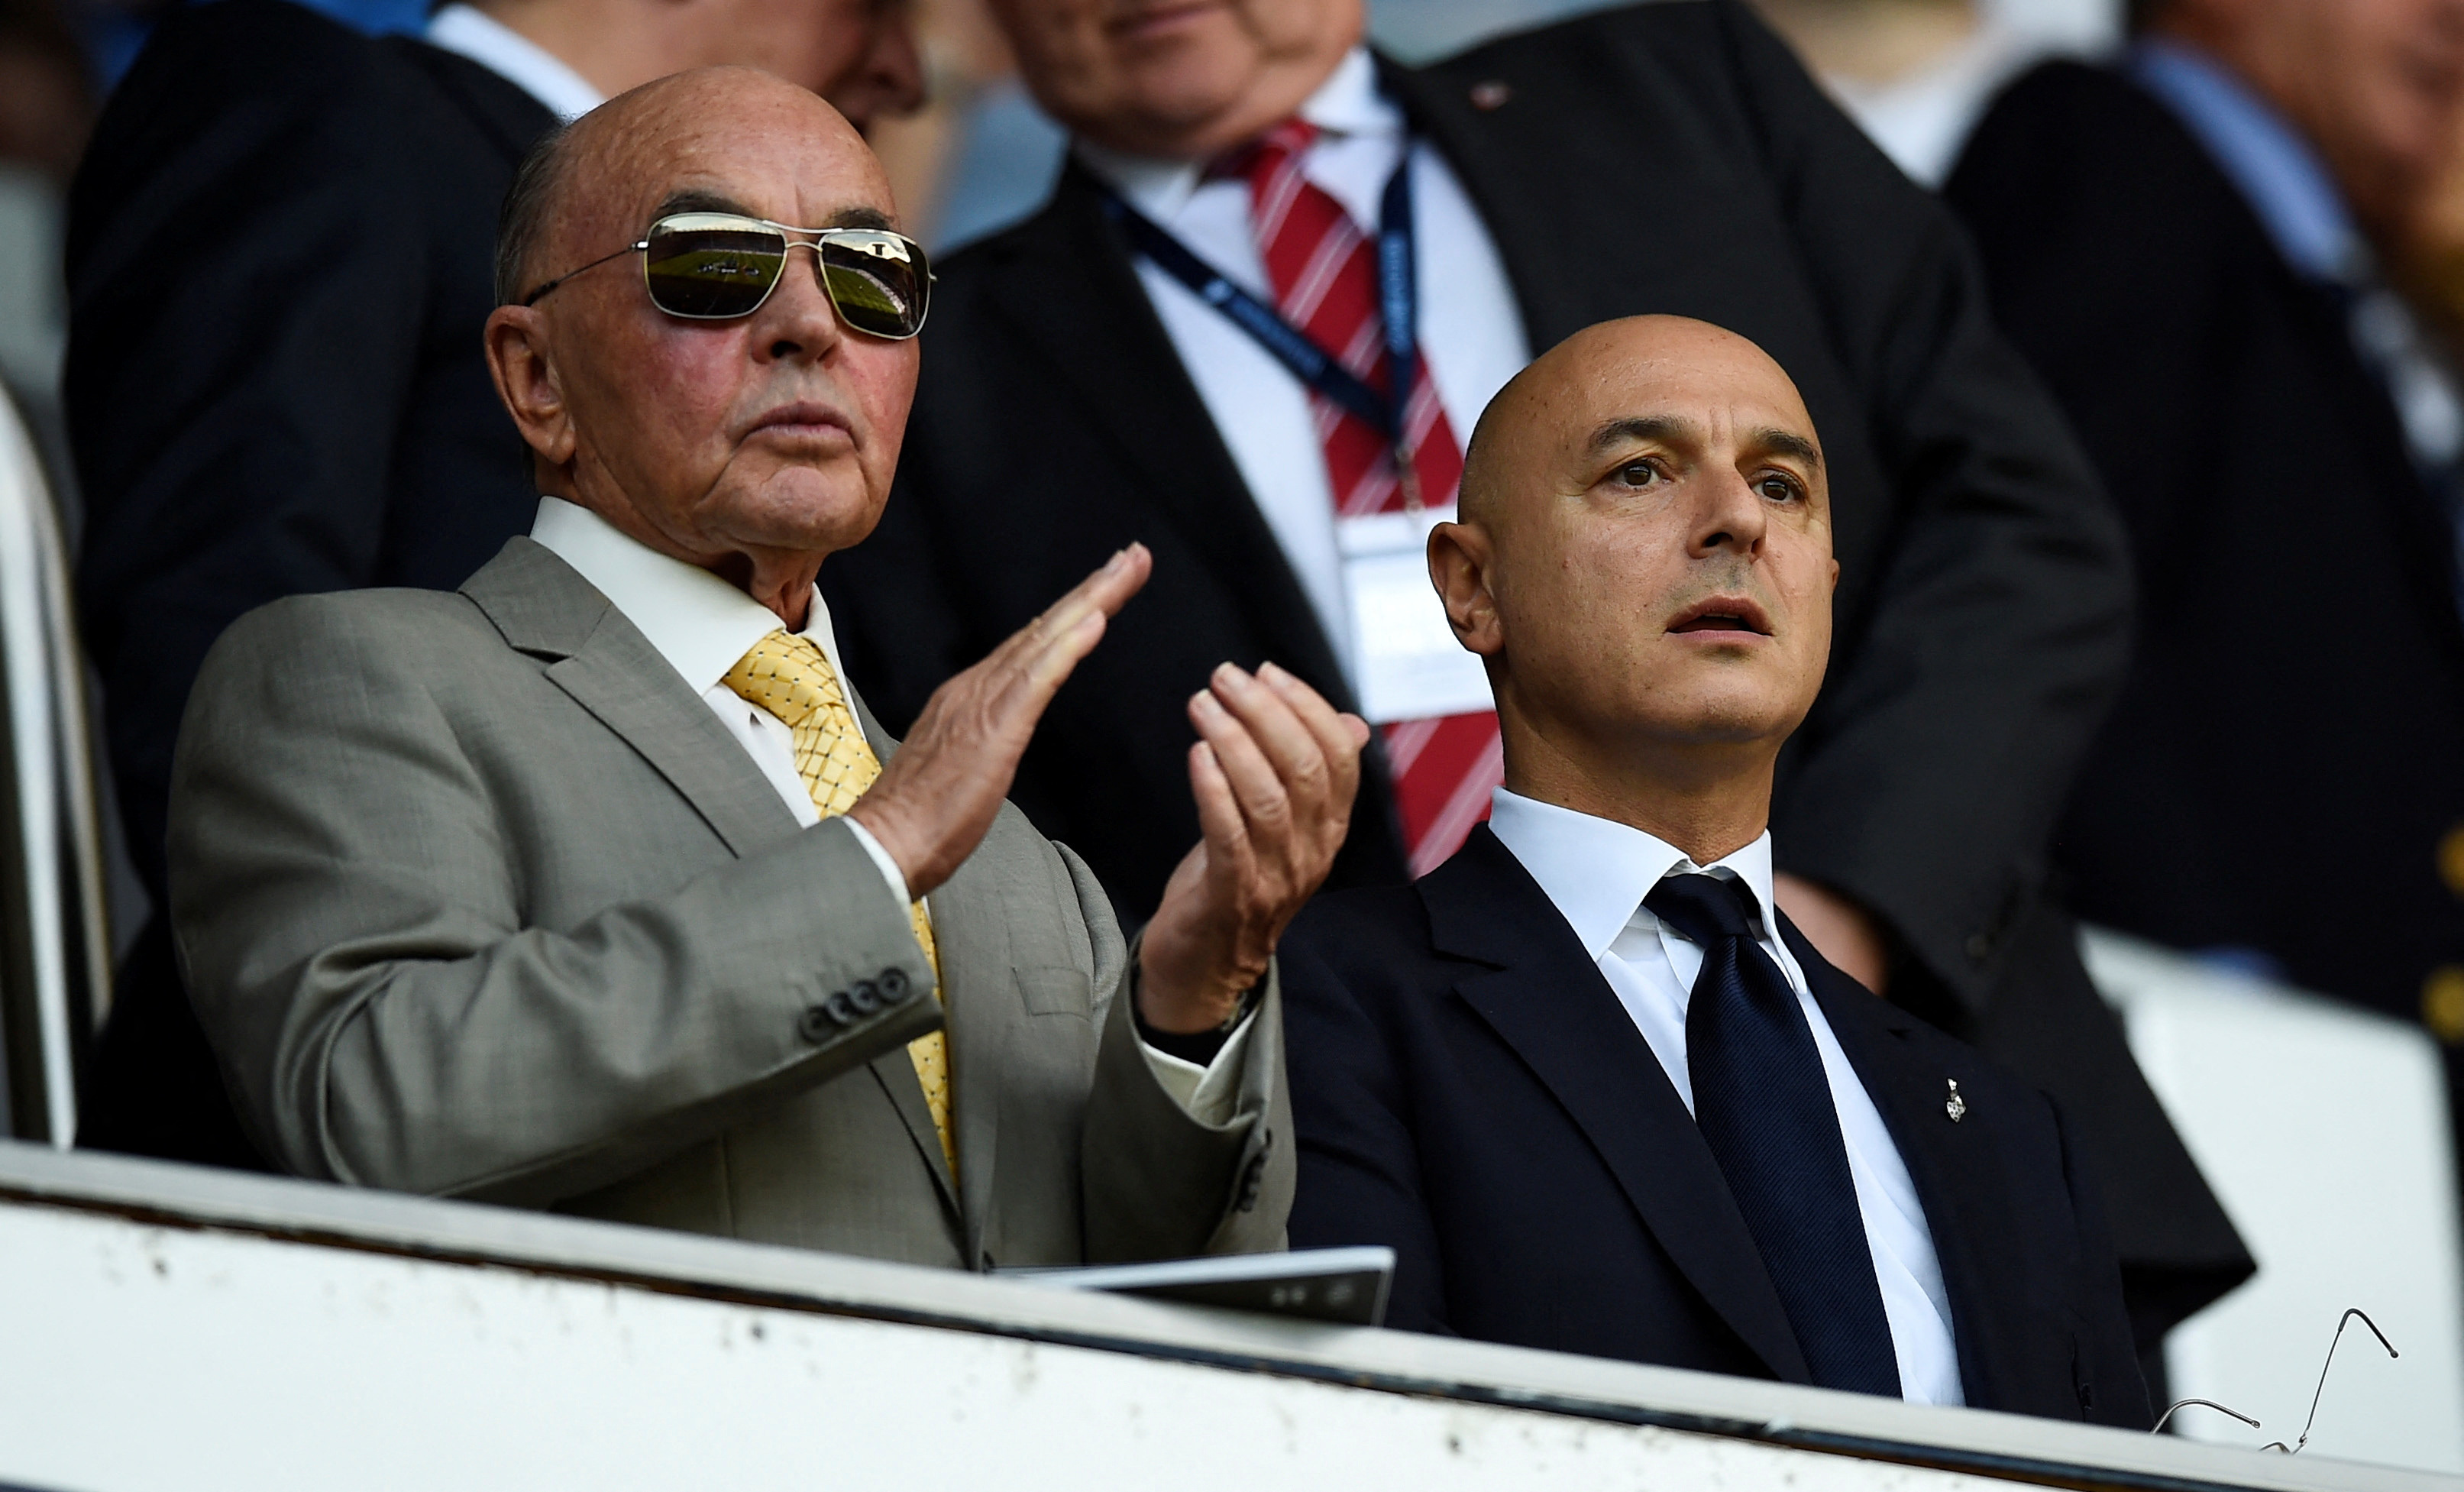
(1273, 771)
(936, 797)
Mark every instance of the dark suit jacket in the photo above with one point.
(280, 246)
(1468, 1090)
(1673, 157)
(2289, 750)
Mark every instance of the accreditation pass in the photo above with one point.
(1404, 654)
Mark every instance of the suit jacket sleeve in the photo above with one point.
(1359, 1163)
(1926, 783)
(249, 287)
(1159, 1182)
(2115, 1389)
(352, 928)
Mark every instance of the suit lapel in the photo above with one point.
(545, 609)
(1946, 1161)
(1549, 1004)
(984, 1018)
(1130, 381)
(1131, 386)
(2429, 556)
(1440, 113)
(960, 929)
(1491, 152)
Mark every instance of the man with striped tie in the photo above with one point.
(1586, 1078)
(594, 885)
(1277, 280)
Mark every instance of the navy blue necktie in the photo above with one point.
(1764, 1106)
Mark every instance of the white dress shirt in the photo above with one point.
(1470, 331)
(701, 625)
(516, 58)
(1596, 872)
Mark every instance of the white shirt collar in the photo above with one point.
(1598, 871)
(1348, 103)
(699, 623)
(515, 57)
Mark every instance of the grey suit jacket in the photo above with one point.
(477, 898)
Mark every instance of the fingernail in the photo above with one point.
(1120, 557)
(1226, 674)
(1274, 673)
(1205, 703)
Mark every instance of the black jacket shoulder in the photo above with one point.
(2078, 176)
(269, 88)
(2079, 113)
(1695, 30)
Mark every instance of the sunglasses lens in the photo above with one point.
(711, 270)
(878, 280)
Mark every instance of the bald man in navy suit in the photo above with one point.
(1597, 1093)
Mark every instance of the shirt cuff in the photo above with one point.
(1210, 1094)
(889, 871)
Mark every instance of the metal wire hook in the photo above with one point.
(2181, 1404)
(2341, 1322)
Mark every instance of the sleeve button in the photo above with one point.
(865, 996)
(840, 1009)
(1251, 1176)
(814, 1025)
(893, 983)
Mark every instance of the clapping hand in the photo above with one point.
(934, 800)
(1273, 771)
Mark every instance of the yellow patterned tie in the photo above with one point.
(791, 677)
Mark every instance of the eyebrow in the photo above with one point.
(697, 200)
(1785, 442)
(1675, 429)
(693, 200)
(1665, 427)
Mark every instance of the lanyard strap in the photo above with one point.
(1289, 345)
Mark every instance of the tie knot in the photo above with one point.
(1264, 155)
(1704, 908)
(787, 675)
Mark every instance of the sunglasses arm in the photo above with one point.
(536, 296)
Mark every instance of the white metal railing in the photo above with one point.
(277, 1334)
(56, 976)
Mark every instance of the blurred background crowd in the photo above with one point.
(979, 155)
(2227, 234)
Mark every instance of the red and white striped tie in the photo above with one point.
(1324, 271)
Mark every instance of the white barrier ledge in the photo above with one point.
(168, 1325)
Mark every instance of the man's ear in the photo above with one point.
(1460, 558)
(521, 362)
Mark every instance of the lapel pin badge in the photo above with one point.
(1491, 96)
(1955, 1106)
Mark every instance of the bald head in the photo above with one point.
(629, 135)
(753, 446)
(1644, 553)
(1603, 371)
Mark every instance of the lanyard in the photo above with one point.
(1289, 345)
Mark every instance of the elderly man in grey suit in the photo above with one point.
(592, 887)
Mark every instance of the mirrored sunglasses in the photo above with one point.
(719, 266)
